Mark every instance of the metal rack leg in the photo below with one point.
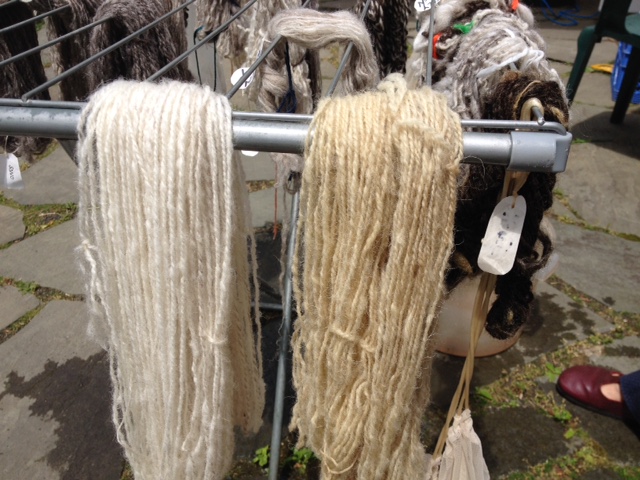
(285, 334)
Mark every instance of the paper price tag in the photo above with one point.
(249, 153)
(10, 176)
(424, 5)
(237, 75)
(500, 242)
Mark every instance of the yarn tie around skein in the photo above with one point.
(164, 220)
(374, 235)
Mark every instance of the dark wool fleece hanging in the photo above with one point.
(144, 55)
(74, 50)
(386, 22)
(474, 40)
(19, 77)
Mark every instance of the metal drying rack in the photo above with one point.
(532, 146)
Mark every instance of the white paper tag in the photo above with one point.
(424, 5)
(500, 242)
(235, 76)
(249, 153)
(10, 176)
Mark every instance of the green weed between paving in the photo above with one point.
(38, 218)
(43, 294)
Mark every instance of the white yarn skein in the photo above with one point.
(164, 221)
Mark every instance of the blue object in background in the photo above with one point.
(624, 51)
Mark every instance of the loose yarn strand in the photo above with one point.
(164, 222)
(374, 236)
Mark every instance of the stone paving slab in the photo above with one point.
(48, 259)
(515, 438)
(11, 225)
(622, 355)
(52, 180)
(600, 265)
(601, 177)
(55, 403)
(562, 42)
(559, 209)
(591, 123)
(14, 304)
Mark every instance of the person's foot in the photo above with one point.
(594, 388)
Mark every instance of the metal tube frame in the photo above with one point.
(104, 52)
(286, 133)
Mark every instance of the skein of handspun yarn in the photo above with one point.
(304, 30)
(374, 235)
(488, 69)
(18, 78)
(386, 21)
(453, 19)
(210, 14)
(477, 196)
(164, 220)
(74, 50)
(497, 42)
(145, 54)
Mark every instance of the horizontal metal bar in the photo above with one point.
(206, 39)
(521, 150)
(34, 19)
(104, 52)
(55, 104)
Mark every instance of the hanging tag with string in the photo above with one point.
(10, 176)
(502, 237)
(500, 242)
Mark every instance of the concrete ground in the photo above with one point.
(55, 387)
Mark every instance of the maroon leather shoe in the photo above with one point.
(581, 385)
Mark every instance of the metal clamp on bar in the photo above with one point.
(539, 151)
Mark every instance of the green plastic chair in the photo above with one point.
(614, 23)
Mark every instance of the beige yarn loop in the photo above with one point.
(164, 220)
(307, 30)
(374, 235)
(315, 30)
